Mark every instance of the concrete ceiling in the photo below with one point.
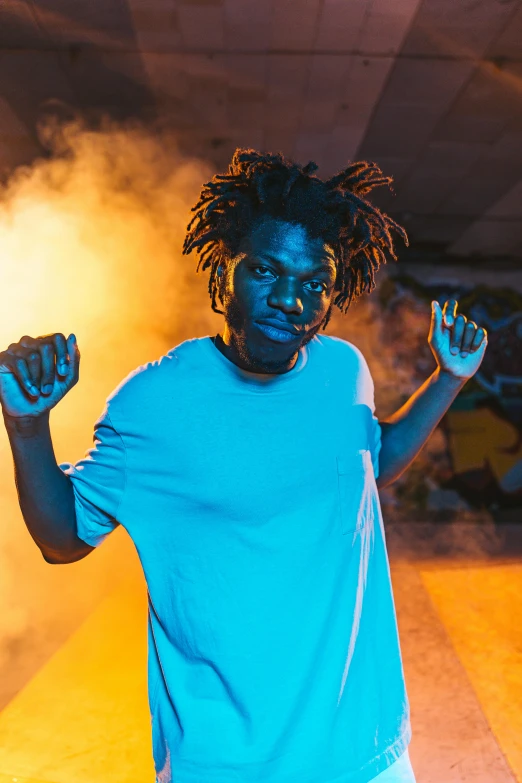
(429, 89)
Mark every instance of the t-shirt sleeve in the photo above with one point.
(376, 444)
(98, 482)
(375, 434)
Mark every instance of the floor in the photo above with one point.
(82, 717)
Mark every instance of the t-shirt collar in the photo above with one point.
(261, 381)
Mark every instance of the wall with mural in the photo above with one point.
(473, 464)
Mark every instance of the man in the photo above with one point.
(245, 468)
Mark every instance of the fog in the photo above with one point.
(90, 243)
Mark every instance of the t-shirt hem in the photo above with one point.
(370, 771)
(391, 755)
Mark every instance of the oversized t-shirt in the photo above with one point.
(273, 650)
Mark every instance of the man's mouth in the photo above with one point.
(278, 335)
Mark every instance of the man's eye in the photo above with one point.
(261, 270)
(318, 290)
(257, 268)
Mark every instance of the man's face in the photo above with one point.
(283, 276)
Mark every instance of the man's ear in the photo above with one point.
(220, 282)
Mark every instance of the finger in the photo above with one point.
(479, 336)
(449, 311)
(74, 357)
(21, 372)
(31, 356)
(47, 377)
(16, 350)
(436, 315)
(60, 346)
(469, 334)
(457, 334)
(34, 365)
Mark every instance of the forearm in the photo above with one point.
(406, 431)
(45, 493)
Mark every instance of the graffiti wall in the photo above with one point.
(473, 464)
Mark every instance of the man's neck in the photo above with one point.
(232, 356)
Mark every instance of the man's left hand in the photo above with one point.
(457, 344)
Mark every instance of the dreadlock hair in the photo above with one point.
(260, 185)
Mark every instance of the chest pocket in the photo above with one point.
(356, 487)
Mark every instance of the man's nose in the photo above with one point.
(284, 296)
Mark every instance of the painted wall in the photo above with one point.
(473, 464)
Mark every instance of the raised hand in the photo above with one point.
(36, 373)
(457, 344)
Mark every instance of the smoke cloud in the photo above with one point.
(90, 243)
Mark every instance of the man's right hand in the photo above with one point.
(30, 382)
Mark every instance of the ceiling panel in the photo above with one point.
(339, 25)
(156, 25)
(18, 26)
(462, 29)
(294, 25)
(385, 26)
(498, 231)
(508, 42)
(99, 23)
(431, 90)
(248, 26)
(114, 81)
(202, 24)
(29, 79)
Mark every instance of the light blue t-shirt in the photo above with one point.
(273, 651)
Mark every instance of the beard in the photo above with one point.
(263, 364)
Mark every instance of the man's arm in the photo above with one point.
(406, 431)
(458, 346)
(45, 493)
